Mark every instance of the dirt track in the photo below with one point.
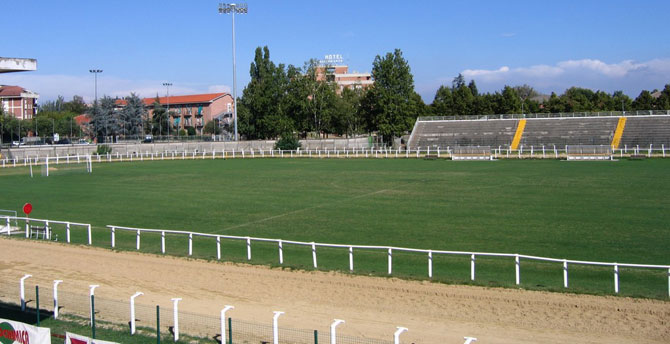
(371, 306)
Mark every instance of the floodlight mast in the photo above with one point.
(95, 73)
(233, 8)
(167, 86)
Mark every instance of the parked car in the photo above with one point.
(148, 139)
(16, 143)
(64, 141)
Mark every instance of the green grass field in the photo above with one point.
(601, 211)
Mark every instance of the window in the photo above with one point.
(230, 107)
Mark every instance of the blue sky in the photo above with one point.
(551, 45)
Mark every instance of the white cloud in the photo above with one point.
(50, 86)
(628, 75)
(219, 89)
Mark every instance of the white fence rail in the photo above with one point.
(389, 249)
(45, 228)
(314, 245)
(500, 152)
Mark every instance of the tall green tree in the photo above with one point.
(644, 101)
(391, 106)
(262, 115)
(160, 123)
(663, 101)
(132, 115)
(443, 103)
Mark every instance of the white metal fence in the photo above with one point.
(533, 152)
(314, 245)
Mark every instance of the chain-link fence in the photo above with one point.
(112, 317)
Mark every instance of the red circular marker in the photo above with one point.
(27, 208)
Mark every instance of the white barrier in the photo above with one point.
(389, 251)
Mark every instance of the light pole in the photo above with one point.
(95, 104)
(167, 86)
(241, 9)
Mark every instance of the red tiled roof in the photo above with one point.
(189, 99)
(11, 91)
(81, 119)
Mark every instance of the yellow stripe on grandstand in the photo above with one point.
(616, 140)
(518, 134)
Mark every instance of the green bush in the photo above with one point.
(287, 142)
(190, 131)
(103, 150)
(182, 132)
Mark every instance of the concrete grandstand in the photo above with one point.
(615, 129)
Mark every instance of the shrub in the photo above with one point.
(287, 142)
(103, 150)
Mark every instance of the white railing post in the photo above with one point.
(137, 241)
(56, 282)
(396, 335)
(333, 336)
(132, 311)
(113, 237)
(90, 235)
(314, 254)
(616, 278)
(430, 264)
(218, 248)
(517, 263)
(390, 261)
(281, 252)
(668, 282)
(472, 267)
(176, 317)
(275, 327)
(248, 248)
(225, 309)
(190, 244)
(351, 259)
(565, 273)
(9, 226)
(67, 232)
(91, 292)
(47, 230)
(22, 291)
(163, 242)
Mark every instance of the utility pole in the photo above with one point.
(233, 8)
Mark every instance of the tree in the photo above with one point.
(510, 101)
(663, 101)
(159, 120)
(644, 101)
(346, 119)
(76, 105)
(211, 127)
(464, 100)
(621, 101)
(132, 114)
(443, 103)
(391, 107)
(262, 115)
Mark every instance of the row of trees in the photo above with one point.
(54, 117)
(461, 99)
(283, 100)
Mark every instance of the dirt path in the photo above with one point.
(371, 306)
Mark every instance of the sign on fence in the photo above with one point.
(71, 338)
(12, 332)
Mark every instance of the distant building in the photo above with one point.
(193, 110)
(332, 69)
(18, 102)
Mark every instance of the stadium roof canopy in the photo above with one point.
(13, 64)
